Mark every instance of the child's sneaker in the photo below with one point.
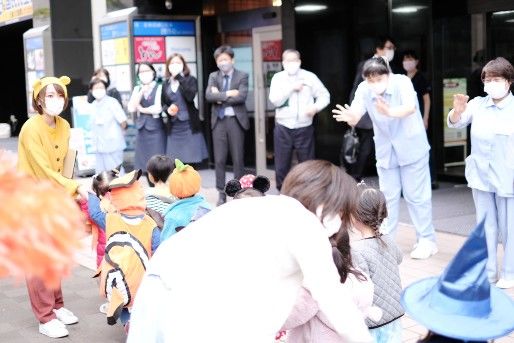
(53, 329)
(103, 308)
(66, 316)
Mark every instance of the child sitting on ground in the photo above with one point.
(159, 197)
(132, 238)
(184, 184)
(378, 256)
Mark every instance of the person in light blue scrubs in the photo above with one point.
(490, 166)
(401, 147)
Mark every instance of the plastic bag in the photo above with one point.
(350, 146)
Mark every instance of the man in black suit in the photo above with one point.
(226, 91)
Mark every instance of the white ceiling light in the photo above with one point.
(310, 8)
(408, 9)
(503, 12)
(509, 21)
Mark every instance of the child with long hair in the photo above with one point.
(378, 256)
(307, 323)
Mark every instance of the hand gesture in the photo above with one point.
(173, 110)
(214, 90)
(382, 106)
(460, 102)
(344, 114)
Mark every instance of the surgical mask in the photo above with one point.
(54, 106)
(389, 55)
(496, 89)
(331, 222)
(378, 87)
(225, 66)
(291, 67)
(175, 68)
(409, 65)
(146, 78)
(98, 93)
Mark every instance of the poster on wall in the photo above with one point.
(13, 11)
(271, 64)
(35, 61)
(81, 136)
(149, 49)
(452, 86)
(155, 40)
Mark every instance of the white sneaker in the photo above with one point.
(66, 316)
(424, 249)
(53, 329)
(103, 308)
(504, 284)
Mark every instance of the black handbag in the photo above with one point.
(350, 148)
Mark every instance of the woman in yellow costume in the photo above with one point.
(42, 147)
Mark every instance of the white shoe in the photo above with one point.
(504, 284)
(53, 329)
(103, 308)
(424, 249)
(66, 316)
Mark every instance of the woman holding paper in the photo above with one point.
(42, 147)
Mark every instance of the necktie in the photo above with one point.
(221, 112)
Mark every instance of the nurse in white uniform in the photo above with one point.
(401, 148)
(490, 167)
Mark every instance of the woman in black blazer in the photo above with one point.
(185, 139)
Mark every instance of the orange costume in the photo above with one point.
(129, 245)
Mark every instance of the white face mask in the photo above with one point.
(98, 93)
(175, 68)
(496, 89)
(54, 106)
(291, 67)
(331, 222)
(378, 87)
(146, 78)
(409, 65)
(225, 66)
(389, 55)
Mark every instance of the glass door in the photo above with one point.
(267, 57)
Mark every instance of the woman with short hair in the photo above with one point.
(490, 167)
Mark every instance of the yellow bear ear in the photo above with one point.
(36, 84)
(65, 80)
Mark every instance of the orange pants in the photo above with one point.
(44, 300)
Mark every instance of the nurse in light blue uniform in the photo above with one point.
(401, 147)
(490, 166)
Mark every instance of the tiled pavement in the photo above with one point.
(453, 212)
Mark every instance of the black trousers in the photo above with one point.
(356, 170)
(228, 135)
(285, 141)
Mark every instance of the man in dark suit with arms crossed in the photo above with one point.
(226, 90)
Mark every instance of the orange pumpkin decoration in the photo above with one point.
(40, 226)
(185, 181)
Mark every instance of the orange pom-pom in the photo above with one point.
(40, 227)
